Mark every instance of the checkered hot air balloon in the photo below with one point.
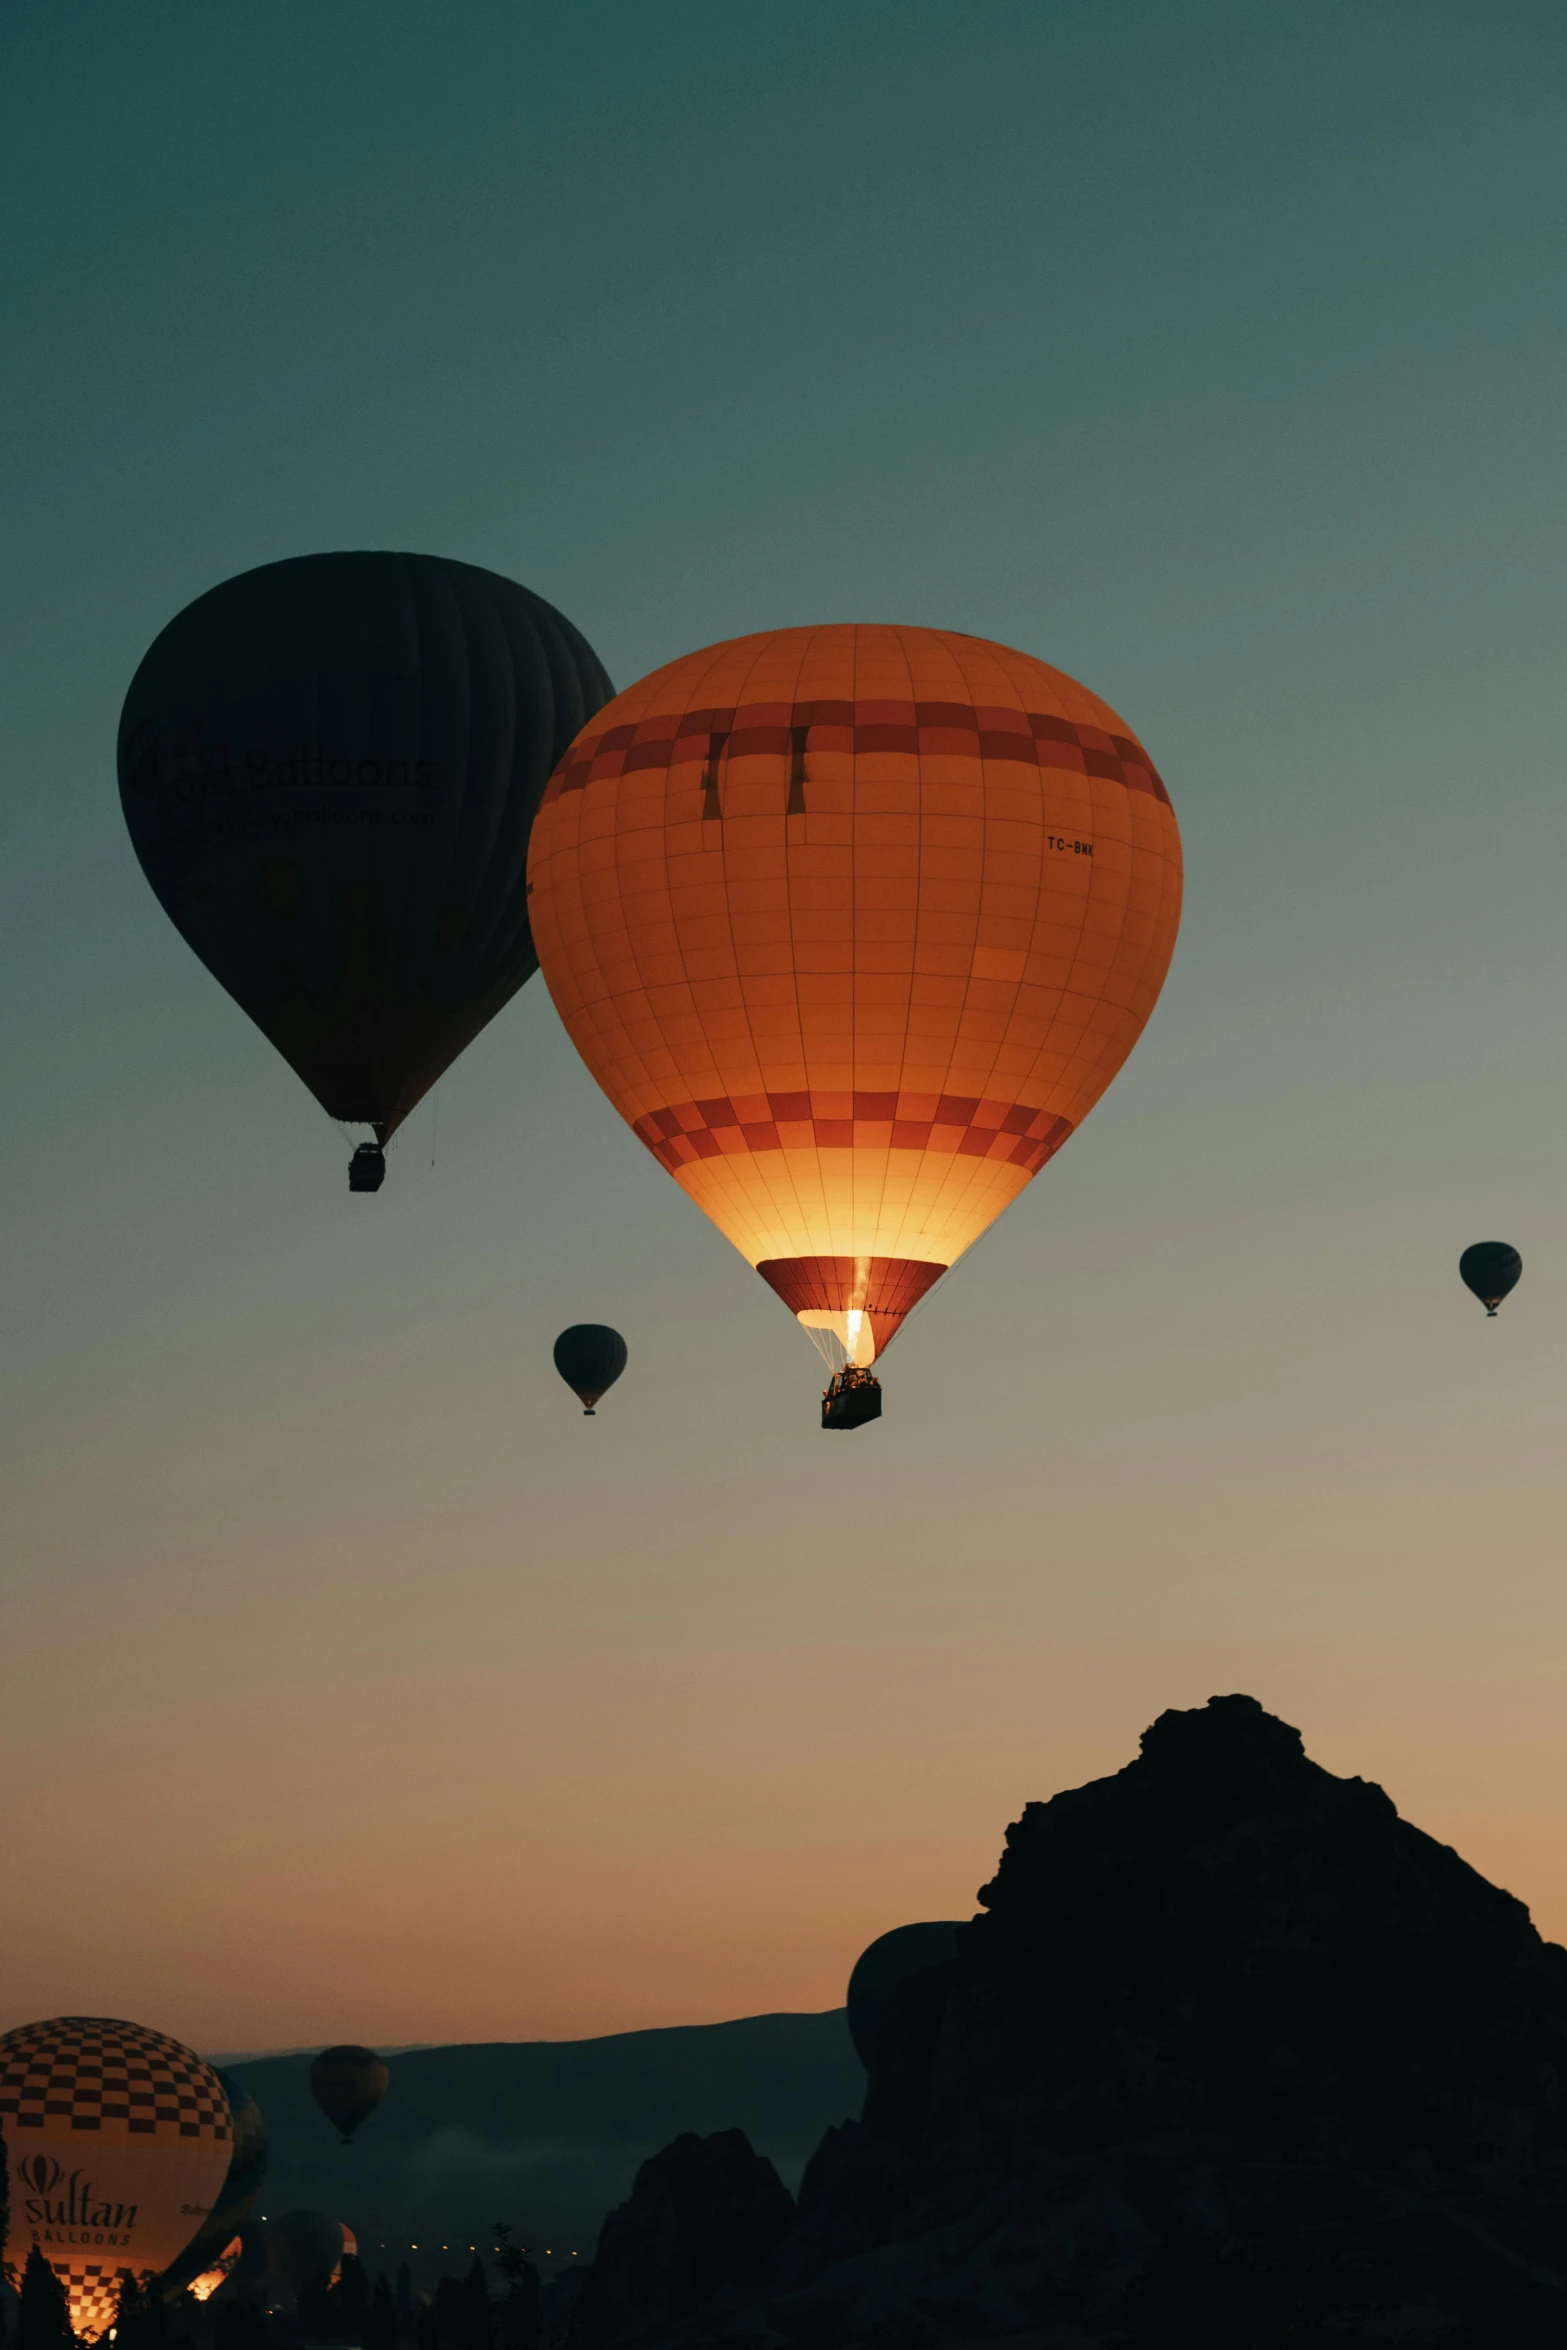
(854, 925)
(118, 2140)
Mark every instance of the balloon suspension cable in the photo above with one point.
(830, 1347)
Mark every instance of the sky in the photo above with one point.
(356, 1688)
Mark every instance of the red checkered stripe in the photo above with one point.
(1015, 1132)
(1032, 738)
(83, 2072)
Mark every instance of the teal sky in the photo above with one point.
(1215, 353)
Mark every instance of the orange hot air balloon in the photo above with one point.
(119, 2142)
(854, 925)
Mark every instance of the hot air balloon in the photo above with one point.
(329, 767)
(854, 925)
(202, 2286)
(888, 1962)
(302, 2244)
(1490, 1268)
(118, 2140)
(348, 2083)
(236, 2197)
(590, 1358)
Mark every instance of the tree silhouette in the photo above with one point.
(240, 2325)
(44, 2319)
(348, 2301)
(520, 2308)
(475, 2319)
(380, 2326)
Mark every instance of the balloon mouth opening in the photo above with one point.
(843, 1340)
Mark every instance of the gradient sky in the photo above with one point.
(353, 1686)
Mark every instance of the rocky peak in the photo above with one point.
(1234, 2056)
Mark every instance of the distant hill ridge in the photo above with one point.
(547, 2133)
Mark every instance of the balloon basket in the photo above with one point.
(853, 1397)
(367, 1168)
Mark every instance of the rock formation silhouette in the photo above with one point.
(1235, 2057)
(702, 2213)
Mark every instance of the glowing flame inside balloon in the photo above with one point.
(204, 2286)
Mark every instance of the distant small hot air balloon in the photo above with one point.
(303, 2244)
(1490, 1268)
(590, 1358)
(348, 2083)
(329, 768)
(854, 925)
(236, 2198)
(118, 2140)
(888, 1962)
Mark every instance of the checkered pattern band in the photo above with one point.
(91, 2073)
(964, 1124)
(94, 2296)
(1031, 738)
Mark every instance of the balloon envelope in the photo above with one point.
(303, 2244)
(348, 2083)
(590, 1358)
(329, 767)
(854, 925)
(1491, 1269)
(118, 2140)
(879, 1970)
(236, 2197)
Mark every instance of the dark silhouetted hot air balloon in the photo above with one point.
(303, 2244)
(854, 925)
(236, 2198)
(590, 1358)
(329, 768)
(1490, 1268)
(104, 2176)
(255, 2254)
(879, 1970)
(348, 2083)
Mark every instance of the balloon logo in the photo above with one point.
(854, 925)
(119, 2139)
